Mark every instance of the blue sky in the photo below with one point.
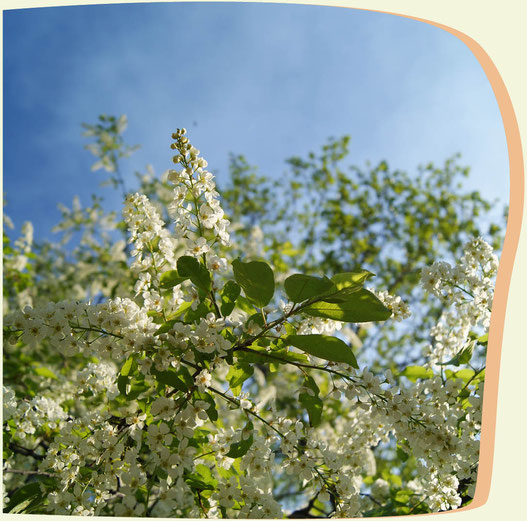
(267, 81)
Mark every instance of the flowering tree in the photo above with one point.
(189, 371)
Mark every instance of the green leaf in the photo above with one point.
(237, 375)
(136, 388)
(302, 287)
(313, 406)
(226, 474)
(359, 306)
(396, 480)
(402, 496)
(260, 355)
(244, 305)
(191, 268)
(256, 279)
(347, 283)
(465, 374)
(166, 327)
(413, 372)
(326, 347)
(351, 278)
(240, 448)
(483, 339)
(231, 291)
(402, 454)
(23, 496)
(170, 377)
(194, 315)
(212, 412)
(196, 482)
(45, 372)
(311, 401)
(171, 278)
(128, 366)
(462, 357)
(206, 475)
(124, 376)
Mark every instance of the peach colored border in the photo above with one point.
(510, 247)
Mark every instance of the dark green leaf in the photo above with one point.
(194, 315)
(170, 377)
(313, 406)
(123, 381)
(260, 355)
(191, 268)
(23, 496)
(311, 401)
(359, 306)
(256, 279)
(171, 278)
(240, 448)
(326, 347)
(136, 388)
(237, 375)
(166, 327)
(401, 453)
(212, 413)
(231, 291)
(302, 287)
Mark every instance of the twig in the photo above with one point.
(29, 472)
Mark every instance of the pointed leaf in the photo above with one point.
(359, 306)
(171, 278)
(240, 448)
(192, 269)
(351, 278)
(256, 279)
(231, 291)
(326, 347)
(302, 287)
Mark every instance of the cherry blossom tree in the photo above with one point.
(184, 360)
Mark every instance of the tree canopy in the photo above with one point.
(305, 345)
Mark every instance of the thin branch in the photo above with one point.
(25, 451)
(29, 472)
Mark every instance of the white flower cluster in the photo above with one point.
(476, 269)
(98, 377)
(9, 403)
(18, 259)
(65, 325)
(28, 416)
(468, 289)
(318, 326)
(146, 226)
(194, 183)
(395, 304)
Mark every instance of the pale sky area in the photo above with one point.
(266, 81)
